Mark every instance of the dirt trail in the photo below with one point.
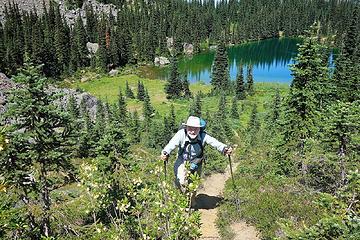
(208, 197)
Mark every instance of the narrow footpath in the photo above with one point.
(208, 197)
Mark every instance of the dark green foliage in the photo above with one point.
(302, 104)
(220, 79)
(346, 77)
(195, 107)
(2, 48)
(140, 29)
(148, 112)
(101, 54)
(80, 40)
(140, 91)
(174, 86)
(234, 108)
(42, 146)
(91, 23)
(172, 120)
(250, 81)
(135, 128)
(254, 122)
(185, 87)
(240, 85)
(121, 108)
(128, 92)
(341, 130)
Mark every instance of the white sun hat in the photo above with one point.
(193, 122)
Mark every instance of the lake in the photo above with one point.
(270, 60)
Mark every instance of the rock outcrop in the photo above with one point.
(160, 61)
(91, 102)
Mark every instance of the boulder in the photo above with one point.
(92, 47)
(114, 72)
(160, 61)
(188, 48)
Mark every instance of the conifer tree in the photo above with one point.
(195, 108)
(148, 111)
(346, 77)
(40, 143)
(91, 23)
(74, 55)
(172, 119)
(220, 79)
(122, 111)
(186, 88)
(37, 45)
(2, 48)
(341, 125)
(61, 42)
(240, 85)
(234, 108)
(302, 104)
(173, 88)
(128, 92)
(80, 42)
(101, 54)
(250, 81)
(135, 128)
(140, 91)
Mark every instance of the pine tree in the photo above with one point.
(195, 108)
(234, 108)
(140, 91)
(37, 44)
(346, 78)
(101, 54)
(186, 88)
(341, 125)
(80, 42)
(61, 42)
(2, 48)
(172, 119)
(173, 88)
(148, 111)
(122, 111)
(240, 85)
(135, 128)
(220, 79)
(128, 92)
(91, 23)
(250, 81)
(40, 142)
(302, 104)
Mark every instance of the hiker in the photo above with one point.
(190, 142)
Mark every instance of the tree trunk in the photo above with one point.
(342, 154)
(45, 228)
(304, 166)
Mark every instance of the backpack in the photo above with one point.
(196, 162)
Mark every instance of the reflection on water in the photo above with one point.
(270, 59)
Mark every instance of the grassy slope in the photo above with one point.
(265, 198)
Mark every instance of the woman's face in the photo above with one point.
(192, 131)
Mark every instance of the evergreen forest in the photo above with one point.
(80, 148)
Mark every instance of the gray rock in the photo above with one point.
(114, 72)
(92, 47)
(91, 102)
(160, 61)
(188, 48)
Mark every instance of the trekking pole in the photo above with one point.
(165, 162)
(231, 171)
